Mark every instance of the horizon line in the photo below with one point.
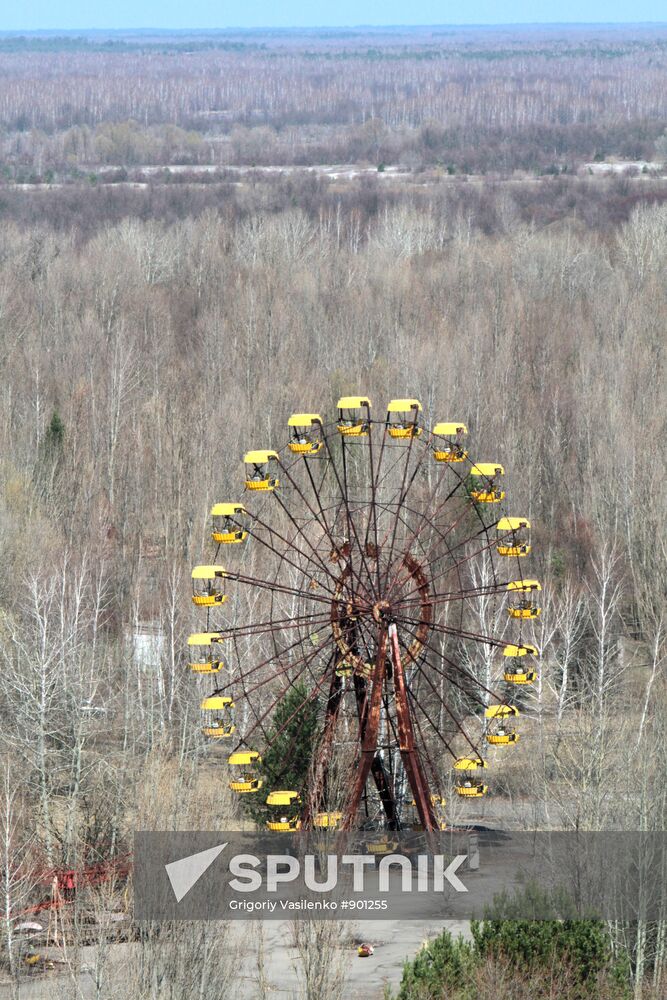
(346, 27)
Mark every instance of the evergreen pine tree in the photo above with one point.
(289, 749)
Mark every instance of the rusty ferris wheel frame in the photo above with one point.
(370, 564)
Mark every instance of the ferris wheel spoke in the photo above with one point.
(400, 495)
(441, 537)
(291, 748)
(374, 479)
(452, 716)
(456, 668)
(368, 639)
(441, 701)
(435, 779)
(411, 562)
(310, 697)
(483, 531)
(300, 533)
(460, 633)
(281, 555)
(441, 506)
(435, 728)
(455, 567)
(277, 625)
(324, 746)
(312, 512)
(243, 675)
(303, 664)
(333, 541)
(457, 595)
(317, 492)
(253, 581)
(405, 489)
(432, 550)
(351, 527)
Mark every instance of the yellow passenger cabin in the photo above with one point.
(229, 521)
(513, 536)
(522, 604)
(438, 802)
(468, 784)
(203, 655)
(207, 586)
(449, 444)
(500, 732)
(328, 820)
(381, 845)
(244, 766)
(284, 811)
(305, 433)
(354, 416)
(519, 664)
(403, 418)
(261, 474)
(218, 716)
(483, 487)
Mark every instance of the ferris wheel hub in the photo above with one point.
(381, 611)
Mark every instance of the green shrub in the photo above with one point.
(441, 966)
(527, 954)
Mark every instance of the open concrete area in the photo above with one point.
(394, 941)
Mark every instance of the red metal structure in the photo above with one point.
(62, 883)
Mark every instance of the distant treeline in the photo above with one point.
(599, 204)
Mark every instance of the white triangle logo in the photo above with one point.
(186, 872)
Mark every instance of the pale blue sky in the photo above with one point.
(72, 14)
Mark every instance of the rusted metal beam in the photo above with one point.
(409, 755)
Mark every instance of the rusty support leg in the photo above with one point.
(409, 755)
(385, 788)
(370, 734)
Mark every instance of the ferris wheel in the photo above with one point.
(370, 574)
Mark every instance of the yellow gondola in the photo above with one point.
(499, 733)
(305, 433)
(468, 785)
(351, 422)
(514, 535)
(438, 802)
(229, 521)
(259, 472)
(483, 487)
(245, 777)
(402, 418)
(516, 671)
(344, 669)
(206, 586)
(381, 845)
(284, 811)
(450, 449)
(218, 716)
(203, 652)
(523, 607)
(327, 820)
